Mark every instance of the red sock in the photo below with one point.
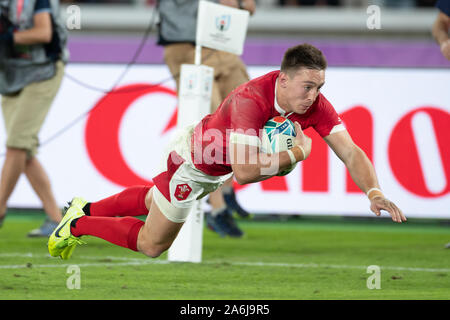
(129, 202)
(120, 231)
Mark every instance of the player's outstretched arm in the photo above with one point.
(379, 202)
(363, 173)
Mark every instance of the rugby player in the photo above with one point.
(201, 158)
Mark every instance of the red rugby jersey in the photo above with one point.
(242, 115)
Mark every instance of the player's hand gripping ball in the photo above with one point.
(277, 136)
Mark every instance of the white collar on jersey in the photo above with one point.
(277, 106)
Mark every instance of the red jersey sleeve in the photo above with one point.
(246, 120)
(245, 114)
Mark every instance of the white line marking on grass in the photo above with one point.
(20, 255)
(330, 266)
(107, 261)
(99, 264)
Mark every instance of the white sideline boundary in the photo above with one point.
(107, 261)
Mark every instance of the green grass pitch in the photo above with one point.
(297, 259)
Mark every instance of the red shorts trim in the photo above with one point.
(162, 181)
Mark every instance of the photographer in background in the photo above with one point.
(32, 57)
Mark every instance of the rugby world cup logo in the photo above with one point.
(191, 82)
(223, 22)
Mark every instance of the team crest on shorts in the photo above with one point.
(182, 191)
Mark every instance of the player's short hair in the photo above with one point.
(303, 56)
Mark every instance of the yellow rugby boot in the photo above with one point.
(62, 242)
(67, 252)
(78, 202)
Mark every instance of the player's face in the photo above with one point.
(302, 88)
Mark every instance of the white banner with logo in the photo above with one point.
(221, 27)
(400, 117)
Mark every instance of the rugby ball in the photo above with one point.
(278, 135)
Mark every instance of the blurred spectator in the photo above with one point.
(33, 42)
(441, 27)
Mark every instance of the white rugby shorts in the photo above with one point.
(178, 183)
